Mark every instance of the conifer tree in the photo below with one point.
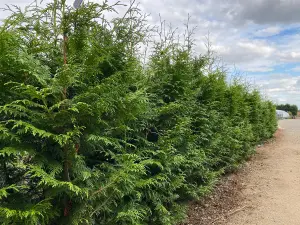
(89, 135)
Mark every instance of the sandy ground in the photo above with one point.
(271, 191)
(265, 191)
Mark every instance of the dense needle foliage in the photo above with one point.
(90, 135)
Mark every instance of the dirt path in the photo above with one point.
(265, 191)
(271, 190)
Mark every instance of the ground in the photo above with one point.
(266, 191)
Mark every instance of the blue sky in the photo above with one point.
(258, 39)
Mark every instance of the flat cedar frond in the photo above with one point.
(48, 180)
(4, 191)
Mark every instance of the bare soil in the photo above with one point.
(265, 191)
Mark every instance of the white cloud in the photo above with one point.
(281, 88)
(296, 69)
(259, 69)
(269, 31)
(257, 48)
(289, 56)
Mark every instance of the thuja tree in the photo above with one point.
(90, 136)
(71, 92)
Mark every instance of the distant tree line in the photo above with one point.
(288, 108)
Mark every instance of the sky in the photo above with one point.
(256, 39)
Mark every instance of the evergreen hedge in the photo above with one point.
(90, 135)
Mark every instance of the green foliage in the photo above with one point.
(89, 135)
(288, 108)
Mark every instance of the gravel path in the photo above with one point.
(271, 188)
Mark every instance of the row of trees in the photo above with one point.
(90, 135)
(293, 109)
